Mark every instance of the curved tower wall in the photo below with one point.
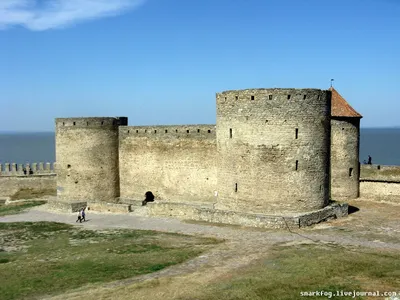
(345, 168)
(87, 158)
(274, 150)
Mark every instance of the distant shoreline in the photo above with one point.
(53, 132)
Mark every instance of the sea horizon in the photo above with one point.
(381, 143)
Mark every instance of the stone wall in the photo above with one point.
(274, 150)
(174, 162)
(345, 145)
(380, 183)
(380, 190)
(380, 172)
(87, 158)
(11, 184)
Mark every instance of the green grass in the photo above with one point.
(18, 207)
(306, 268)
(33, 193)
(44, 258)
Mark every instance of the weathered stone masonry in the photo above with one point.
(273, 147)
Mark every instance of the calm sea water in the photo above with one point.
(383, 144)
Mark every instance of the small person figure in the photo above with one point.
(79, 217)
(369, 160)
(24, 171)
(149, 197)
(83, 215)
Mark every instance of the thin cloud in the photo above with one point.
(41, 15)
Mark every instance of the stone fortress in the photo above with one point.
(275, 157)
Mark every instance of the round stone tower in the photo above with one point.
(87, 159)
(345, 149)
(274, 150)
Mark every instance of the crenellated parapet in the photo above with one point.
(95, 122)
(169, 131)
(14, 169)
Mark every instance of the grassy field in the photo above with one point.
(45, 258)
(292, 270)
(282, 274)
(18, 207)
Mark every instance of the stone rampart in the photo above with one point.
(11, 169)
(380, 183)
(41, 179)
(173, 162)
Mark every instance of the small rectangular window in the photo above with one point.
(297, 133)
(230, 133)
(297, 165)
(236, 187)
(270, 97)
(252, 97)
(351, 172)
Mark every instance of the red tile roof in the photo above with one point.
(340, 107)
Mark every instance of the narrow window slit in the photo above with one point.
(230, 133)
(351, 172)
(236, 187)
(297, 133)
(297, 165)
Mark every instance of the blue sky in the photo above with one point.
(162, 61)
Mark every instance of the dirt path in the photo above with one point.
(242, 247)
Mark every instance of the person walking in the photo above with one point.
(83, 215)
(79, 217)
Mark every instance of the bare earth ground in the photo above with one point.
(374, 225)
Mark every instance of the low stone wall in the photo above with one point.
(109, 207)
(9, 185)
(380, 183)
(209, 214)
(65, 206)
(380, 190)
